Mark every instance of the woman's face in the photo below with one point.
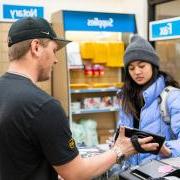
(140, 71)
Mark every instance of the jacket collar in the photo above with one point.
(153, 91)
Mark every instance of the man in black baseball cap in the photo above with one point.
(36, 142)
(31, 28)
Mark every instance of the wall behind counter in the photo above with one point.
(137, 7)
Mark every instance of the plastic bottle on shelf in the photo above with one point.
(95, 70)
(88, 71)
(101, 70)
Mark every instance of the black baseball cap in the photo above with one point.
(32, 28)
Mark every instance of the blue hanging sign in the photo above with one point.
(164, 29)
(93, 21)
(14, 12)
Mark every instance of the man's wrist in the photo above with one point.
(120, 156)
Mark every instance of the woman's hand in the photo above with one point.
(165, 151)
(127, 148)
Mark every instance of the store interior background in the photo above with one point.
(168, 50)
(137, 7)
(105, 121)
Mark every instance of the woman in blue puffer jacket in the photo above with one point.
(139, 99)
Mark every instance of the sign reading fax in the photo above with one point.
(165, 29)
(13, 12)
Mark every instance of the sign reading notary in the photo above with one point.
(164, 29)
(13, 12)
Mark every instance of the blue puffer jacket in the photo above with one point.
(151, 120)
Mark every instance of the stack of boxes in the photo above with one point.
(4, 27)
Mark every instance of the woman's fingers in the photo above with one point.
(145, 140)
(147, 144)
(150, 146)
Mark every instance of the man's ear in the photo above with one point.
(35, 47)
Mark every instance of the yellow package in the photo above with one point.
(100, 52)
(87, 50)
(115, 54)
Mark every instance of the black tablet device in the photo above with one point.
(129, 132)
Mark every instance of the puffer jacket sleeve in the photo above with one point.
(124, 119)
(173, 105)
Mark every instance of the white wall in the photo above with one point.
(138, 7)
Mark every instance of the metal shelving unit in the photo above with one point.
(93, 90)
(102, 110)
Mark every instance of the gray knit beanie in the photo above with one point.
(140, 49)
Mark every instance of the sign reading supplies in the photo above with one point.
(164, 29)
(95, 21)
(14, 12)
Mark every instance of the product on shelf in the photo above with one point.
(73, 54)
(118, 84)
(78, 85)
(99, 102)
(88, 70)
(95, 70)
(100, 52)
(101, 71)
(100, 85)
(85, 132)
(86, 50)
(92, 103)
(106, 101)
(75, 106)
(115, 54)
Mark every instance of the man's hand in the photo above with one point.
(124, 143)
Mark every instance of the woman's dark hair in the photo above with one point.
(131, 97)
